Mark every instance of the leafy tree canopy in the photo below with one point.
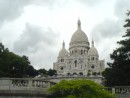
(42, 72)
(119, 72)
(13, 65)
(51, 72)
(78, 89)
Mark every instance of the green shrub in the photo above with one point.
(78, 89)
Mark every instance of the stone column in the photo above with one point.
(113, 90)
(29, 83)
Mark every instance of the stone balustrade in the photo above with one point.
(24, 83)
(37, 84)
(118, 89)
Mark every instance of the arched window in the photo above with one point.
(92, 58)
(75, 62)
(81, 66)
(81, 52)
(84, 51)
(62, 60)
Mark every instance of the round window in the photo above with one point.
(92, 66)
(61, 68)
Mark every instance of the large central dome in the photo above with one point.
(79, 38)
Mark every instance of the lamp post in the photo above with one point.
(13, 72)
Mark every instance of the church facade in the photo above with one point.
(80, 59)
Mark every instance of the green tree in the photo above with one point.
(119, 72)
(78, 89)
(31, 72)
(42, 72)
(51, 72)
(13, 65)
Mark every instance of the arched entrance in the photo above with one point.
(81, 74)
(74, 74)
(68, 74)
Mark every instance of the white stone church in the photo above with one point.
(81, 59)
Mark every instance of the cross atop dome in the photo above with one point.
(92, 43)
(63, 44)
(79, 24)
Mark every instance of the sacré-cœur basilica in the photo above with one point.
(82, 59)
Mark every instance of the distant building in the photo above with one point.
(81, 58)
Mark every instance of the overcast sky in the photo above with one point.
(37, 28)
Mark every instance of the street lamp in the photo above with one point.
(13, 72)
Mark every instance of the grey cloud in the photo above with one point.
(44, 2)
(0, 40)
(32, 37)
(11, 9)
(110, 28)
(107, 29)
(39, 44)
(44, 58)
(121, 7)
(60, 3)
(90, 2)
(51, 4)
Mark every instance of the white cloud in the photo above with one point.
(122, 7)
(11, 10)
(36, 28)
(37, 43)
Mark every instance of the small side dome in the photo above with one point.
(63, 52)
(93, 51)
